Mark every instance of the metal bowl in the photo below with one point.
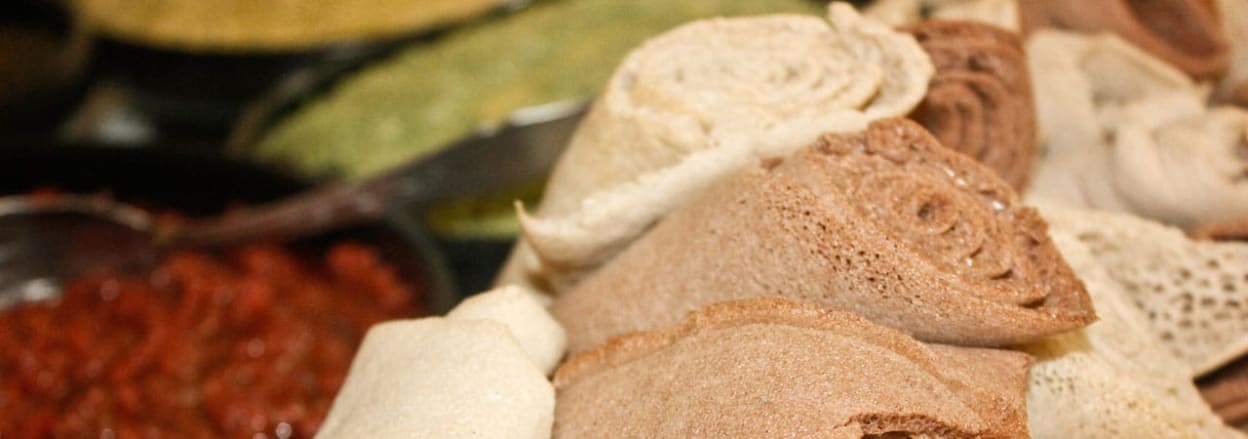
(204, 184)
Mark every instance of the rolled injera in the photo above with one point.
(979, 103)
(1167, 158)
(766, 367)
(1079, 78)
(885, 223)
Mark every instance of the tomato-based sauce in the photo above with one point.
(250, 342)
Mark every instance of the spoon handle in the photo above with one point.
(524, 150)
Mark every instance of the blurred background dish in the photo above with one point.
(185, 68)
(44, 58)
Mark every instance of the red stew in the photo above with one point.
(253, 342)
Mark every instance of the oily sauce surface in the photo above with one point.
(250, 342)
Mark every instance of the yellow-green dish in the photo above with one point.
(251, 25)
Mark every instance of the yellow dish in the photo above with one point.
(255, 25)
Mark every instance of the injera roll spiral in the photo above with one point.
(979, 102)
(1185, 33)
(1193, 293)
(885, 223)
(767, 367)
(1112, 379)
(701, 101)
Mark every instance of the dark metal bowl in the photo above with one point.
(44, 64)
(203, 184)
(204, 92)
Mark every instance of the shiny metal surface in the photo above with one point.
(41, 247)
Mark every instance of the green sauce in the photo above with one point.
(431, 95)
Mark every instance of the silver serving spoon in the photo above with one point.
(46, 240)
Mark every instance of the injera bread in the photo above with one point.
(1186, 172)
(1193, 293)
(698, 102)
(1112, 379)
(766, 367)
(1169, 159)
(1126, 133)
(885, 223)
(999, 13)
(1079, 78)
(441, 378)
(535, 329)
(1184, 33)
(979, 102)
